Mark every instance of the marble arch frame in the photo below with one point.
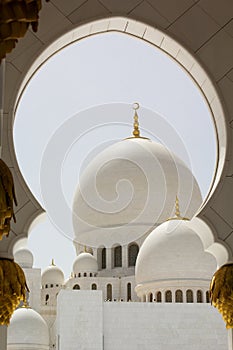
(150, 34)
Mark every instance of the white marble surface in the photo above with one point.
(85, 321)
(80, 320)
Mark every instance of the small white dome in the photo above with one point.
(52, 275)
(27, 329)
(131, 187)
(173, 251)
(24, 258)
(85, 262)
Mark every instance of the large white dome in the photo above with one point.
(27, 330)
(128, 189)
(173, 252)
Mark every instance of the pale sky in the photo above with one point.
(79, 102)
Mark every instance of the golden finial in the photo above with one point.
(85, 249)
(25, 305)
(177, 212)
(136, 131)
(53, 263)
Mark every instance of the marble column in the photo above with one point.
(3, 337)
(125, 256)
(230, 339)
(108, 258)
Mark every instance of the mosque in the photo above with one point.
(147, 289)
(142, 266)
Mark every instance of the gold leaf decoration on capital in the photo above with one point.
(15, 18)
(7, 199)
(13, 289)
(221, 293)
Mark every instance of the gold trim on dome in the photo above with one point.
(177, 212)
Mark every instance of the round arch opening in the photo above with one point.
(169, 46)
(163, 42)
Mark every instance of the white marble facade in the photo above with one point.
(152, 293)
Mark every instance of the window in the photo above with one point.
(109, 292)
(207, 296)
(133, 250)
(51, 285)
(76, 286)
(168, 296)
(179, 296)
(150, 297)
(85, 274)
(46, 286)
(199, 296)
(118, 256)
(46, 299)
(129, 297)
(103, 258)
(79, 275)
(159, 297)
(90, 274)
(94, 286)
(189, 296)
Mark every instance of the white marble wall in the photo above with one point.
(33, 278)
(151, 326)
(80, 320)
(85, 321)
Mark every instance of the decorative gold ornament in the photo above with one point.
(15, 18)
(136, 131)
(7, 197)
(221, 292)
(177, 212)
(13, 289)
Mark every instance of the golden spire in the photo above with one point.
(52, 263)
(177, 212)
(25, 305)
(85, 249)
(177, 205)
(136, 131)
